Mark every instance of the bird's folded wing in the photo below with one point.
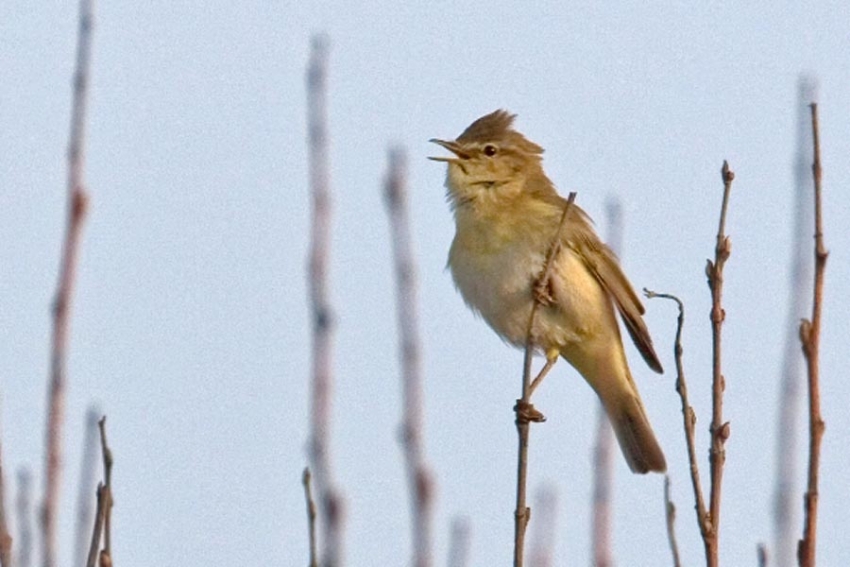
(603, 264)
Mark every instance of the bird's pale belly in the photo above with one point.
(498, 285)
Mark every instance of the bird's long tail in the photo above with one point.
(635, 435)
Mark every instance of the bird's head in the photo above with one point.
(491, 160)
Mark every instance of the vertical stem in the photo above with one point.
(525, 412)
(719, 429)
(330, 505)
(785, 511)
(77, 201)
(810, 338)
(5, 538)
(418, 477)
(85, 502)
(603, 454)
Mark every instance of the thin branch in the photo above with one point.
(88, 471)
(5, 537)
(761, 552)
(97, 530)
(786, 505)
(23, 508)
(311, 516)
(689, 417)
(323, 318)
(603, 452)
(719, 429)
(670, 515)
(810, 339)
(77, 204)
(103, 518)
(459, 543)
(525, 412)
(420, 484)
(107, 487)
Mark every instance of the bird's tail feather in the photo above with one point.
(635, 435)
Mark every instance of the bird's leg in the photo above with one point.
(551, 359)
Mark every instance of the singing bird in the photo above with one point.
(507, 214)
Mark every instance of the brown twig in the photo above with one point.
(810, 339)
(525, 412)
(420, 484)
(323, 318)
(107, 487)
(5, 537)
(670, 515)
(761, 553)
(689, 417)
(603, 452)
(459, 543)
(785, 509)
(77, 204)
(85, 503)
(311, 516)
(103, 518)
(23, 507)
(719, 429)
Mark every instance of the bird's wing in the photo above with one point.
(603, 264)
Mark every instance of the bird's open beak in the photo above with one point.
(453, 147)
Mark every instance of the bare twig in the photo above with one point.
(542, 552)
(810, 339)
(97, 530)
(719, 429)
(77, 204)
(670, 515)
(311, 516)
(23, 507)
(525, 412)
(761, 553)
(330, 502)
(689, 417)
(420, 484)
(785, 511)
(459, 543)
(603, 452)
(103, 518)
(5, 537)
(85, 502)
(107, 488)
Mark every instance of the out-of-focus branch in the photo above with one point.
(330, 502)
(785, 511)
(761, 553)
(542, 552)
(810, 339)
(23, 508)
(603, 452)
(88, 471)
(525, 411)
(670, 515)
(77, 205)
(311, 516)
(5, 537)
(459, 543)
(420, 484)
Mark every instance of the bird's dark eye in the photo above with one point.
(490, 150)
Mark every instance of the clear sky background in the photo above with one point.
(190, 321)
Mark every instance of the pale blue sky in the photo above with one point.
(190, 321)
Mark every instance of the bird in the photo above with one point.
(507, 215)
